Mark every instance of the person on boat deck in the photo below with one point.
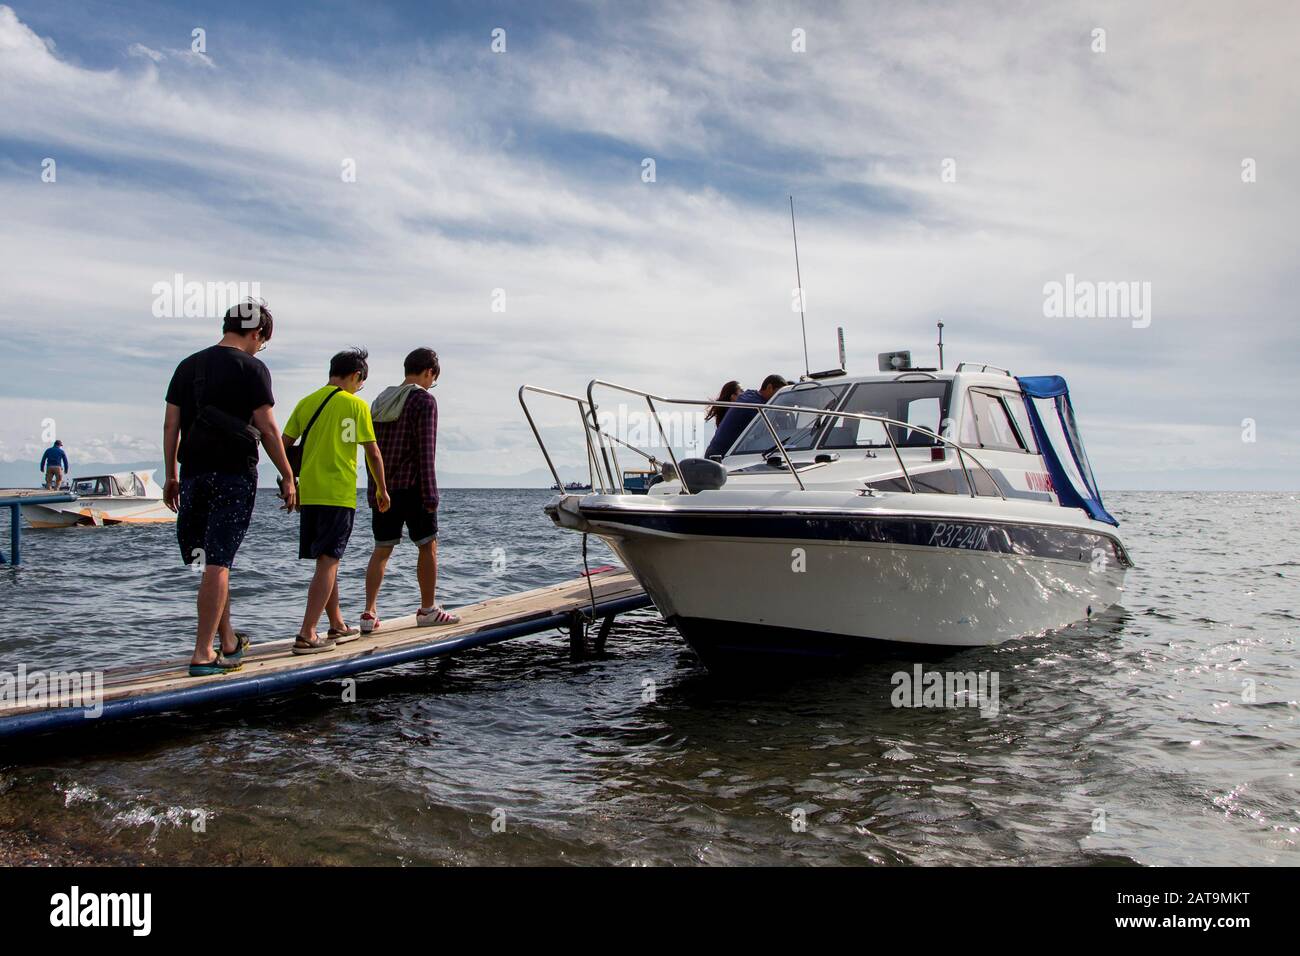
(406, 425)
(735, 420)
(332, 422)
(55, 464)
(728, 393)
(219, 406)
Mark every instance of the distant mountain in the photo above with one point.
(536, 478)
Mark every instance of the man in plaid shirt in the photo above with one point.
(406, 429)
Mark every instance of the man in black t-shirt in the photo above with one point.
(218, 408)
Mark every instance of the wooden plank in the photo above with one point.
(22, 495)
(278, 656)
(397, 638)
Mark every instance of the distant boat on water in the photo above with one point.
(571, 486)
(129, 497)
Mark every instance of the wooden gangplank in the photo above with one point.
(270, 668)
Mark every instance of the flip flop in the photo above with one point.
(319, 646)
(222, 665)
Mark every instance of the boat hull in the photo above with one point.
(831, 587)
(97, 512)
(732, 646)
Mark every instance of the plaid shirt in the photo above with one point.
(407, 446)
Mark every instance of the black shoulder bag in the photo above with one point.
(295, 450)
(214, 427)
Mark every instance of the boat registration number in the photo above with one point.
(974, 537)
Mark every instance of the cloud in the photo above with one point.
(140, 50)
(522, 172)
(31, 423)
(118, 448)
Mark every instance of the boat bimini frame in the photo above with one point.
(602, 453)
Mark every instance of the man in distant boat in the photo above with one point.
(55, 464)
(406, 424)
(332, 422)
(734, 421)
(219, 408)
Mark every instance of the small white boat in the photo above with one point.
(920, 506)
(129, 497)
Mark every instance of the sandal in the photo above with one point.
(218, 665)
(345, 636)
(317, 645)
(244, 643)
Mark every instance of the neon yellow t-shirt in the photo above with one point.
(329, 461)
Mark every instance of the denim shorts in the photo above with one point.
(213, 516)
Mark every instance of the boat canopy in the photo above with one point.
(1052, 418)
(121, 484)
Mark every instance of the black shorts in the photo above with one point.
(213, 517)
(407, 509)
(324, 530)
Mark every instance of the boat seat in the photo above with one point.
(702, 474)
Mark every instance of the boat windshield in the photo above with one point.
(92, 487)
(797, 430)
(923, 404)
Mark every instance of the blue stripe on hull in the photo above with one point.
(998, 537)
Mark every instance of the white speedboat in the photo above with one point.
(129, 497)
(926, 507)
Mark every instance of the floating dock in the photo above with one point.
(270, 667)
(14, 499)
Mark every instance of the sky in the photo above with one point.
(949, 161)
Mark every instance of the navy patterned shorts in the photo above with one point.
(213, 516)
(324, 531)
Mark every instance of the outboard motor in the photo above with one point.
(702, 474)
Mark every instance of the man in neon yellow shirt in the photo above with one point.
(332, 422)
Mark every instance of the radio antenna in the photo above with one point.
(799, 278)
(941, 346)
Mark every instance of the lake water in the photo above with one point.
(1162, 732)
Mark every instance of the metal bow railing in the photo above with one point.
(602, 455)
